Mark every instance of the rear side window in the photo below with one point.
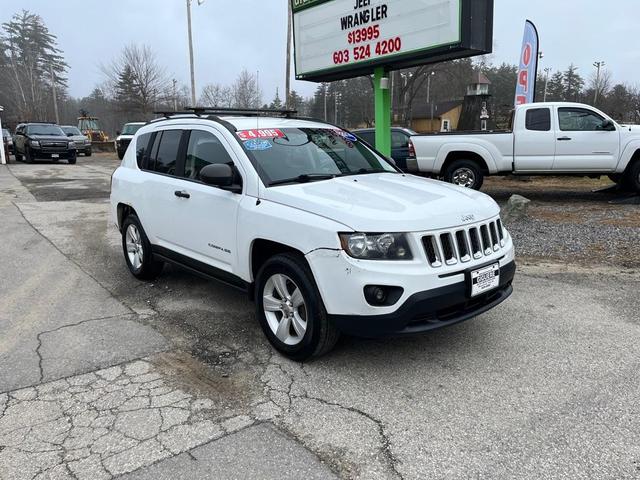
(167, 151)
(369, 137)
(539, 119)
(142, 149)
(399, 140)
(204, 149)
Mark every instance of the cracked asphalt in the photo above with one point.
(102, 376)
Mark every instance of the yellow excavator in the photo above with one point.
(90, 126)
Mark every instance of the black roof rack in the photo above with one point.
(238, 112)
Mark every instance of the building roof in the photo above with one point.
(480, 78)
(423, 110)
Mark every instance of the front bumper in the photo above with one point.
(40, 153)
(429, 310)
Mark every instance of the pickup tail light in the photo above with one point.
(412, 150)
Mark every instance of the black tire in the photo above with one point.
(88, 153)
(150, 268)
(72, 160)
(120, 155)
(320, 335)
(18, 157)
(27, 156)
(631, 179)
(615, 177)
(460, 170)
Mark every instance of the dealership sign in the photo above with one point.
(337, 39)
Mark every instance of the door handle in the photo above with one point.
(182, 194)
(564, 139)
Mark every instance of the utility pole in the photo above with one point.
(431, 74)
(193, 73)
(546, 82)
(337, 103)
(598, 66)
(326, 91)
(175, 97)
(55, 96)
(287, 101)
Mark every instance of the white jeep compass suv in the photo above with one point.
(323, 232)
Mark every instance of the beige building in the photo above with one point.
(439, 117)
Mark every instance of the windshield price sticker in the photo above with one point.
(266, 133)
(336, 34)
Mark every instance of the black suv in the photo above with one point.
(35, 141)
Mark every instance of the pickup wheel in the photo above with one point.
(290, 309)
(631, 179)
(137, 250)
(464, 173)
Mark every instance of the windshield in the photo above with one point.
(88, 124)
(131, 129)
(310, 152)
(71, 131)
(52, 130)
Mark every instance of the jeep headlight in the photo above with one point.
(376, 246)
(34, 143)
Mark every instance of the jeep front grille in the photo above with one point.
(464, 244)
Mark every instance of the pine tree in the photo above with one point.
(276, 104)
(126, 90)
(30, 57)
(572, 84)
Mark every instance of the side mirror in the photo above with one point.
(217, 175)
(118, 132)
(607, 125)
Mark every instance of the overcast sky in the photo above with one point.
(232, 34)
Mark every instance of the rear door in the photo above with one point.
(535, 140)
(581, 143)
(161, 203)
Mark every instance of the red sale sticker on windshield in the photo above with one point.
(260, 133)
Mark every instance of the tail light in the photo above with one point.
(412, 150)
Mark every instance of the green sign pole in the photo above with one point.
(383, 111)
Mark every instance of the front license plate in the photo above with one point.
(485, 279)
(55, 155)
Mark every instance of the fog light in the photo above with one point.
(382, 296)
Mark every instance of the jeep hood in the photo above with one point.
(387, 202)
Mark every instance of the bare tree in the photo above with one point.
(601, 84)
(246, 91)
(216, 95)
(137, 72)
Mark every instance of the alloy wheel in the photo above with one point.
(464, 177)
(135, 250)
(285, 309)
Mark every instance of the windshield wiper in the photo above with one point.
(364, 171)
(306, 178)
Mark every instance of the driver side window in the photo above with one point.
(204, 149)
(579, 120)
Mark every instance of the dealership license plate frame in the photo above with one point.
(472, 289)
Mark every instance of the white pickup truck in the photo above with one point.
(544, 139)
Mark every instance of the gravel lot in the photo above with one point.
(569, 222)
